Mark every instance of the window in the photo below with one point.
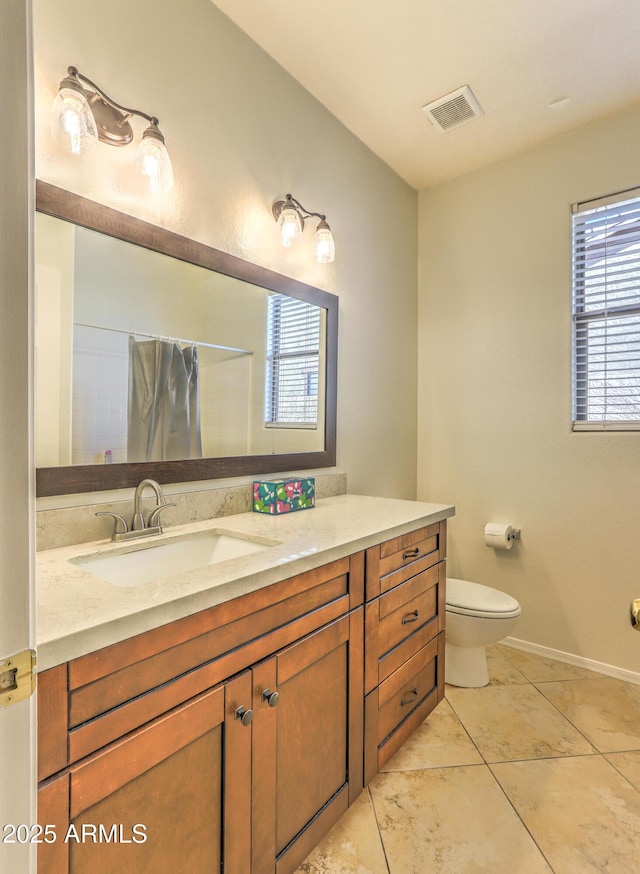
(606, 313)
(293, 354)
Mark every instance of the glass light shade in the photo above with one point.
(290, 225)
(72, 123)
(154, 163)
(325, 247)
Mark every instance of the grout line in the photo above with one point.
(557, 758)
(598, 679)
(524, 825)
(464, 728)
(616, 768)
(509, 801)
(575, 727)
(437, 767)
(375, 816)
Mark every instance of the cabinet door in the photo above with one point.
(307, 750)
(154, 800)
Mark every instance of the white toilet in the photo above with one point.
(476, 616)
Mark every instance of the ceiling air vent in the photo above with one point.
(453, 109)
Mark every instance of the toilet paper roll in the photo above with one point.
(498, 536)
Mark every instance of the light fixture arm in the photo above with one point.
(290, 202)
(305, 212)
(75, 73)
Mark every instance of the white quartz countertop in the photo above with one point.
(78, 612)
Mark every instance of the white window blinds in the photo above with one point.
(293, 350)
(606, 313)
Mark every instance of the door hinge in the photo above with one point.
(17, 677)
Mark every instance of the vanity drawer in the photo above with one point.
(391, 563)
(395, 708)
(405, 690)
(406, 609)
(110, 677)
(402, 621)
(95, 733)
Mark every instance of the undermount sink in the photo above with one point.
(144, 562)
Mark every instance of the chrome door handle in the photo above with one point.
(634, 611)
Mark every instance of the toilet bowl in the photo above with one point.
(476, 616)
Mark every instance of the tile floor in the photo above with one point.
(537, 772)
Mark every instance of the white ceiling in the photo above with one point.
(375, 63)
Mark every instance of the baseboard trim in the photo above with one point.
(571, 659)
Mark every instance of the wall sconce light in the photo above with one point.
(290, 215)
(81, 116)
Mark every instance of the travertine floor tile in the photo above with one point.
(538, 669)
(451, 821)
(628, 764)
(352, 846)
(515, 722)
(440, 741)
(584, 816)
(501, 670)
(607, 711)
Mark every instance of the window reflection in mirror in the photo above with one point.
(294, 339)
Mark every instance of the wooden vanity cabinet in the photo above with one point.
(405, 614)
(239, 735)
(240, 762)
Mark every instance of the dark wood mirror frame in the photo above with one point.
(94, 477)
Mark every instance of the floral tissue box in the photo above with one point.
(284, 496)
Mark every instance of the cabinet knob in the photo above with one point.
(270, 697)
(245, 716)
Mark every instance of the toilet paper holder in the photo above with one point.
(499, 536)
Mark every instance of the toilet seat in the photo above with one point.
(473, 599)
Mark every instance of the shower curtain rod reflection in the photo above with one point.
(168, 339)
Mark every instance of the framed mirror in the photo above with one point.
(161, 357)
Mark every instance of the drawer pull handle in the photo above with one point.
(411, 553)
(410, 617)
(245, 716)
(409, 698)
(270, 697)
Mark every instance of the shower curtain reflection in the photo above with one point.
(164, 401)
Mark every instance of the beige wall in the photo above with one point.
(494, 417)
(242, 133)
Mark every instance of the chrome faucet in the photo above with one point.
(138, 523)
(140, 527)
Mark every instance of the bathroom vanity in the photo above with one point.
(225, 717)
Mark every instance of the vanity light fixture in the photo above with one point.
(290, 216)
(81, 116)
